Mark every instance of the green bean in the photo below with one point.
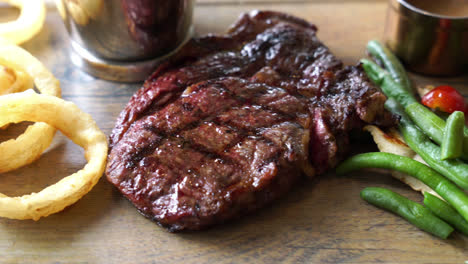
(454, 169)
(390, 62)
(445, 212)
(383, 79)
(433, 125)
(413, 212)
(452, 143)
(430, 123)
(445, 188)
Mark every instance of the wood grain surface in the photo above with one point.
(319, 221)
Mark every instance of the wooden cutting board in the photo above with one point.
(319, 221)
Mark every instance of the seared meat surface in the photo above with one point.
(231, 122)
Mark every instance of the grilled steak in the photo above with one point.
(231, 122)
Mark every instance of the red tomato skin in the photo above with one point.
(444, 98)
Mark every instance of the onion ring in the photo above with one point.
(28, 24)
(76, 125)
(29, 146)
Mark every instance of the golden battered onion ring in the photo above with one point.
(29, 146)
(29, 22)
(76, 125)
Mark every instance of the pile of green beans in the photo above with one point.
(455, 170)
(418, 126)
(396, 84)
(399, 87)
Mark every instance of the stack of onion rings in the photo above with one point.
(79, 127)
(50, 112)
(29, 146)
(20, 71)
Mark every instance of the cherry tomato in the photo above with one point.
(445, 98)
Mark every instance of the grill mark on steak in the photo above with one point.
(255, 116)
(231, 122)
(245, 116)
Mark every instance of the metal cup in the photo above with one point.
(427, 43)
(124, 40)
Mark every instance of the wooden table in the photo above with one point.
(320, 221)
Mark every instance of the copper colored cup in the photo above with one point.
(427, 43)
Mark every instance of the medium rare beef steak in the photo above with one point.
(231, 122)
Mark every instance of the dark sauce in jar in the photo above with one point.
(158, 26)
(452, 8)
